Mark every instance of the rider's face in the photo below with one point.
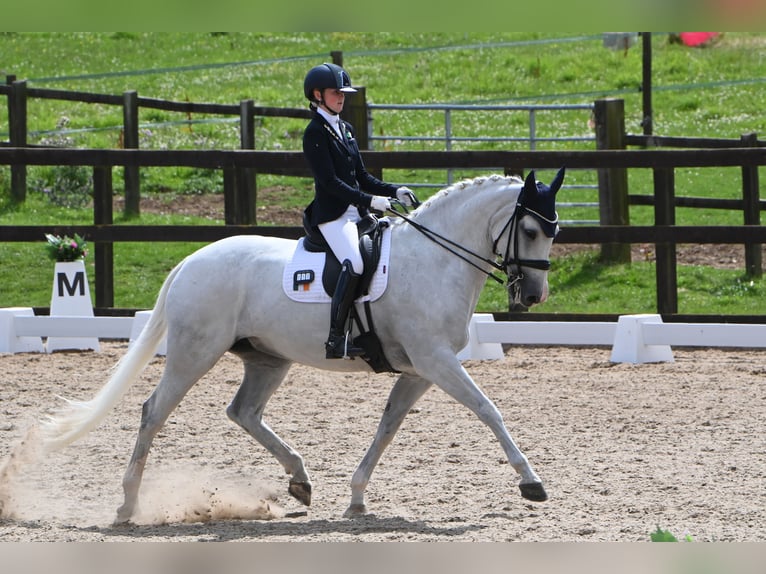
(333, 100)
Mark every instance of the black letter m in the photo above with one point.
(63, 283)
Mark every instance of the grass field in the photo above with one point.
(714, 92)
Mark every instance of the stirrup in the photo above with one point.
(339, 347)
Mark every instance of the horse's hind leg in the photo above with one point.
(179, 376)
(406, 392)
(263, 375)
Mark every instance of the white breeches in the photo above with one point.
(343, 238)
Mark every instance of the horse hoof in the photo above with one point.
(118, 522)
(301, 491)
(123, 517)
(533, 491)
(355, 511)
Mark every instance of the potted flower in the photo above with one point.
(63, 249)
(70, 293)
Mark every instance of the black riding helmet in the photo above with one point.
(326, 76)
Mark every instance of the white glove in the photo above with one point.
(405, 195)
(380, 203)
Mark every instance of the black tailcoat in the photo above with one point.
(340, 178)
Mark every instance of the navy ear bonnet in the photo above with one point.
(539, 200)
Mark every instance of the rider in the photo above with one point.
(343, 192)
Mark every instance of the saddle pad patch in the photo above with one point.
(302, 277)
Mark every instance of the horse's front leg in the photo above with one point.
(407, 390)
(445, 370)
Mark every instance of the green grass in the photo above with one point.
(661, 535)
(582, 284)
(715, 92)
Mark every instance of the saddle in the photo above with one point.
(370, 230)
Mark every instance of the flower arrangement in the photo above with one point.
(66, 248)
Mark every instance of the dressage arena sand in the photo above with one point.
(622, 449)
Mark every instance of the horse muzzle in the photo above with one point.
(526, 295)
(544, 296)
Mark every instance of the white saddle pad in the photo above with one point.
(302, 278)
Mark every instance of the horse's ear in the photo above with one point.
(557, 181)
(529, 190)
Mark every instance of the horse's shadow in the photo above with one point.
(233, 530)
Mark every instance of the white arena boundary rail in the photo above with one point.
(21, 331)
(633, 338)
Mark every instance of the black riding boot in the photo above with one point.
(337, 345)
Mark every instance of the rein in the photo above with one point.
(433, 236)
(504, 267)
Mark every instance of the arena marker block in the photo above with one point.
(9, 341)
(629, 345)
(70, 296)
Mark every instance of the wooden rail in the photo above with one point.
(664, 235)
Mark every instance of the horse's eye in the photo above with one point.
(531, 234)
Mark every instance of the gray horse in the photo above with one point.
(229, 296)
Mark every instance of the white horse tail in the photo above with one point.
(77, 418)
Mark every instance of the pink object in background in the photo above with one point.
(697, 38)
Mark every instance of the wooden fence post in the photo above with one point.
(646, 82)
(665, 214)
(751, 209)
(238, 205)
(239, 182)
(612, 182)
(230, 196)
(104, 252)
(17, 119)
(246, 185)
(356, 113)
(130, 141)
(359, 115)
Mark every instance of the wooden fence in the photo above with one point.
(239, 167)
(18, 94)
(664, 234)
(239, 182)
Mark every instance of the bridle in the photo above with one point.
(508, 261)
(542, 264)
(514, 278)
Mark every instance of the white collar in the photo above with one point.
(333, 120)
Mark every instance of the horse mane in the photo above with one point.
(462, 185)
